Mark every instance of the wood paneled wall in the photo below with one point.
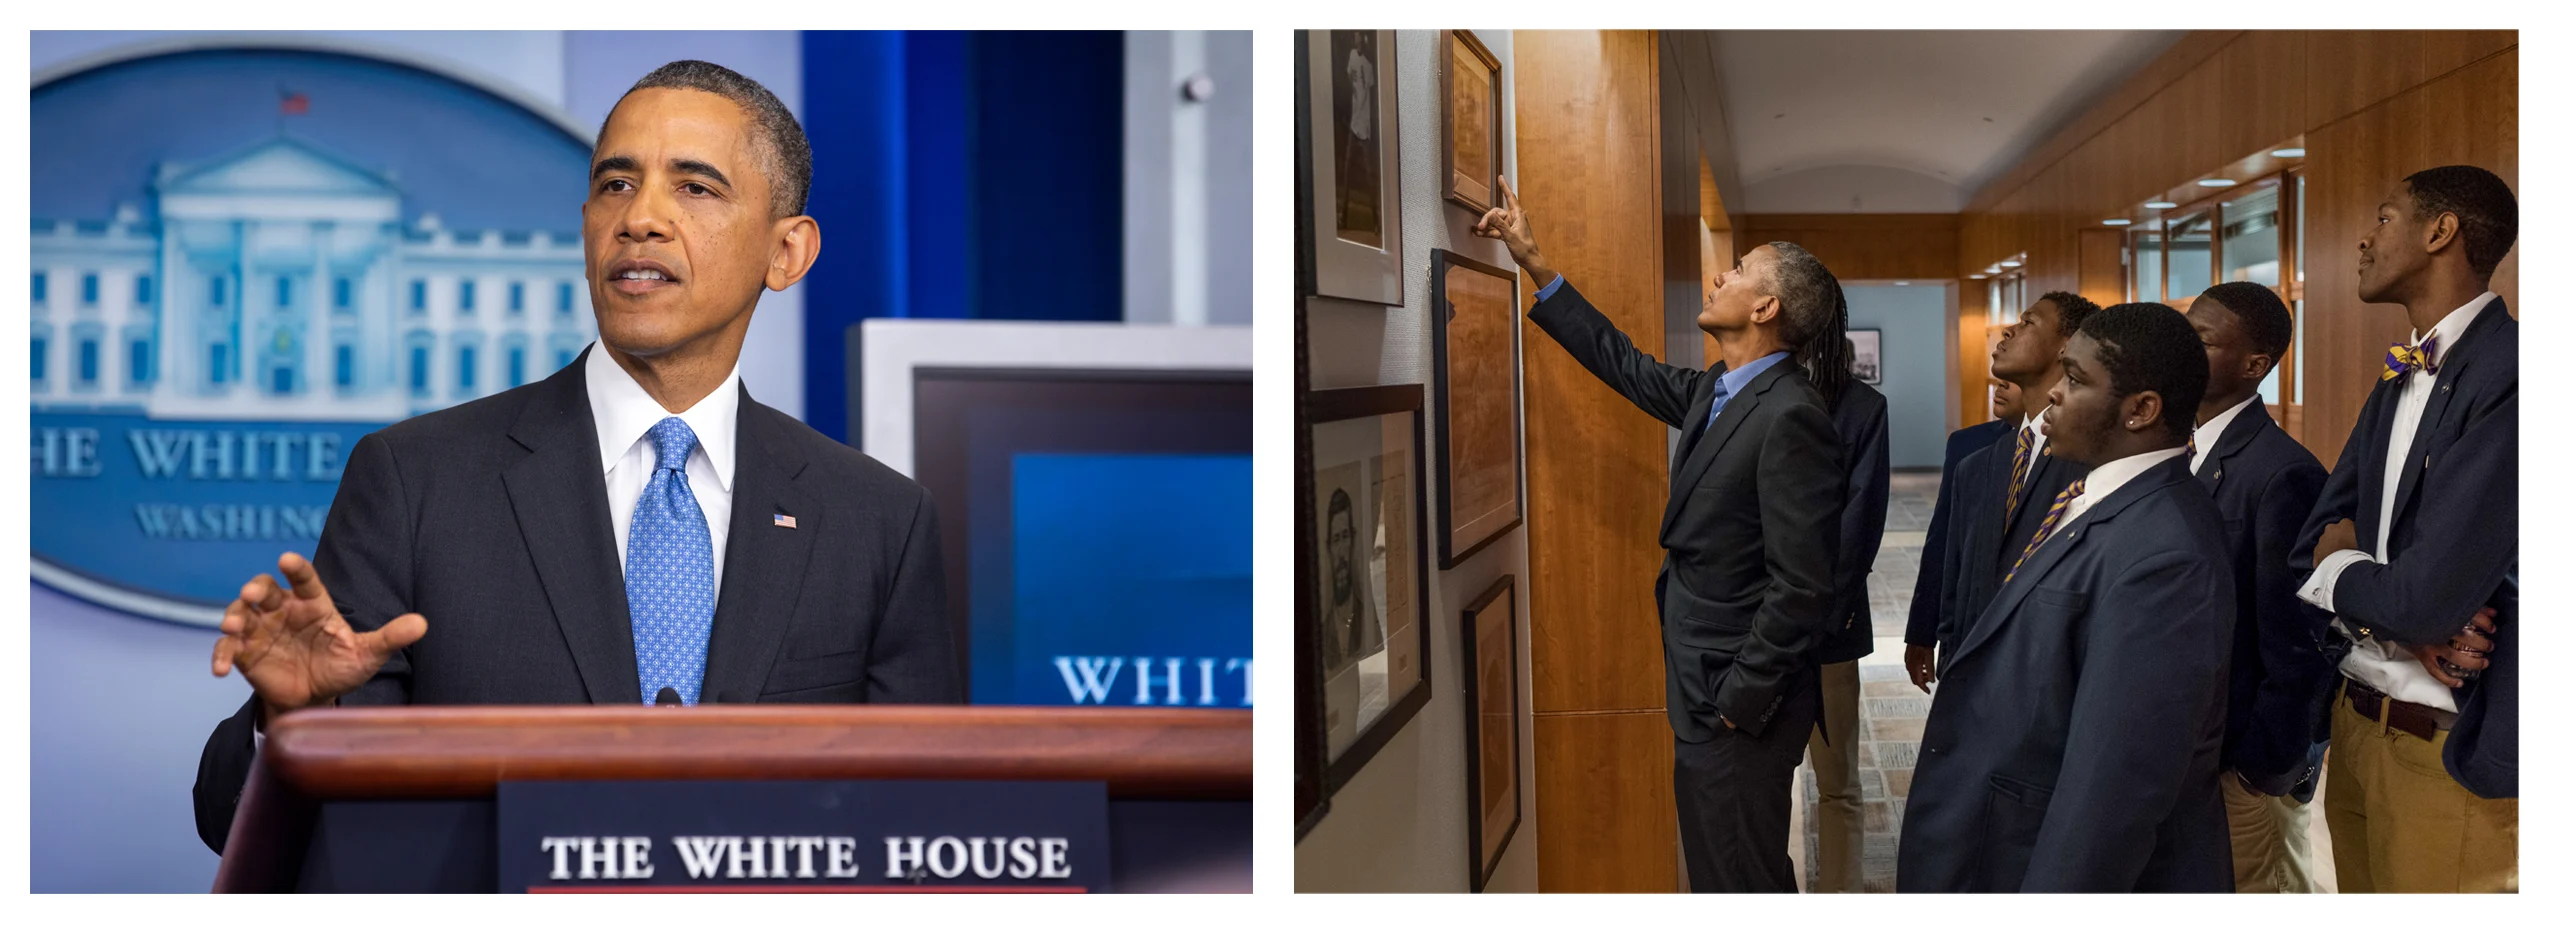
(1861, 246)
(2371, 107)
(1587, 113)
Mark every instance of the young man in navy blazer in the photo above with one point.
(2264, 482)
(1750, 535)
(1920, 627)
(2413, 546)
(1997, 491)
(1840, 817)
(2075, 742)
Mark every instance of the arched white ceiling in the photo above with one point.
(1959, 107)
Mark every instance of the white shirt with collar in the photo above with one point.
(624, 412)
(2105, 479)
(2035, 428)
(2385, 666)
(2211, 433)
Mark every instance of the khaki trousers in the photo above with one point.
(2270, 839)
(1840, 818)
(2397, 823)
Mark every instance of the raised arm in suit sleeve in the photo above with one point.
(2157, 642)
(363, 558)
(1800, 488)
(911, 659)
(1661, 390)
(2278, 724)
(2432, 586)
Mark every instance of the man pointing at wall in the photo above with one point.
(1750, 533)
(634, 528)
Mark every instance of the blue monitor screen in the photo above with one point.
(1132, 583)
(1097, 534)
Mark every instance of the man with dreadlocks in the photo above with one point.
(1751, 533)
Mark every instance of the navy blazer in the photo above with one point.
(490, 519)
(2453, 534)
(1750, 533)
(1859, 417)
(2075, 743)
(2264, 482)
(1921, 628)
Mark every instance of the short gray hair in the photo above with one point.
(781, 148)
(1803, 288)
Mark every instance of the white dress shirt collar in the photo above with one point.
(2211, 433)
(2035, 431)
(2455, 324)
(624, 412)
(2105, 479)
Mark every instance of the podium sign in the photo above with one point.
(803, 836)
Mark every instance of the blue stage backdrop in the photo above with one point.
(248, 252)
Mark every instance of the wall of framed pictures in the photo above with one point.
(1400, 812)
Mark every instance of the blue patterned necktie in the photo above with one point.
(667, 572)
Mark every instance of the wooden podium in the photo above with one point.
(1179, 780)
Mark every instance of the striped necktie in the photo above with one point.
(2018, 473)
(2052, 519)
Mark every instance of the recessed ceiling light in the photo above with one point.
(2216, 182)
(2116, 221)
(1902, 284)
(2287, 153)
(2160, 205)
(1979, 277)
(2009, 264)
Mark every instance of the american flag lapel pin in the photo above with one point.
(786, 520)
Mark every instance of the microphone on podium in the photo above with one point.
(667, 696)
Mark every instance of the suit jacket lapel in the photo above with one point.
(2485, 328)
(760, 583)
(2031, 573)
(557, 493)
(1700, 455)
(2244, 428)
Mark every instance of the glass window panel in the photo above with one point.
(142, 290)
(2190, 254)
(89, 360)
(218, 362)
(88, 289)
(39, 281)
(466, 369)
(36, 358)
(2300, 210)
(346, 369)
(2146, 264)
(284, 292)
(2297, 352)
(138, 361)
(2249, 240)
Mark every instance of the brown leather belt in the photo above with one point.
(2415, 720)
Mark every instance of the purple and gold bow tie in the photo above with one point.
(2405, 357)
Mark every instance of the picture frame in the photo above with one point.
(1353, 199)
(1866, 355)
(1475, 398)
(1470, 121)
(1488, 630)
(1364, 593)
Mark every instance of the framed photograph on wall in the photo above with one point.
(1354, 199)
(1488, 629)
(1475, 343)
(1366, 604)
(1866, 355)
(1470, 120)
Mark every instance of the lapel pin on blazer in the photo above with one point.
(786, 520)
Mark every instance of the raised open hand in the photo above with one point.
(292, 646)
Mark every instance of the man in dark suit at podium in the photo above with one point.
(634, 528)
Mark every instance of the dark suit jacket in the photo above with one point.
(1859, 418)
(2075, 743)
(1921, 629)
(490, 519)
(2263, 482)
(1751, 531)
(2453, 534)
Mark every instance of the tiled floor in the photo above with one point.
(1894, 710)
